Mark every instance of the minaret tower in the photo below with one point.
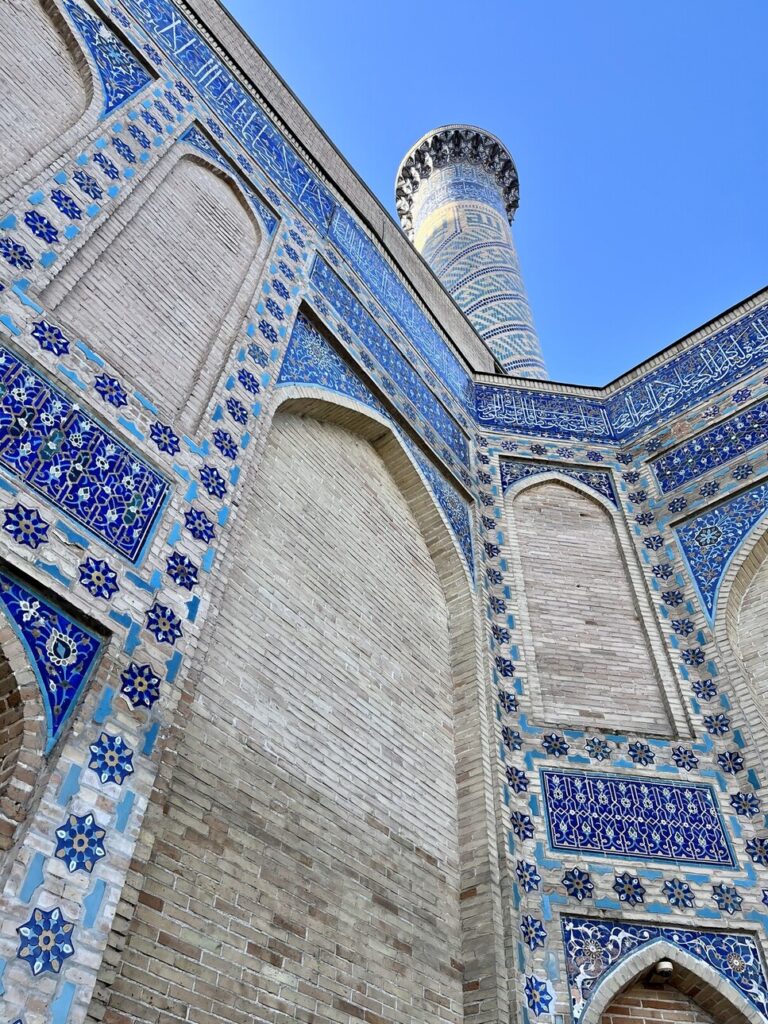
(457, 192)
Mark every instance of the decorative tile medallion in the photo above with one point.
(594, 948)
(45, 941)
(63, 652)
(711, 539)
(79, 842)
(69, 458)
(634, 818)
(122, 74)
(513, 470)
(111, 759)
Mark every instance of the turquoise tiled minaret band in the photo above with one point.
(457, 192)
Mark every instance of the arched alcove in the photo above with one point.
(161, 288)
(641, 1002)
(694, 986)
(22, 735)
(44, 80)
(593, 650)
(746, 619)
(330, 760)
(740, 617)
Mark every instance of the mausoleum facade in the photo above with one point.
(350, 668)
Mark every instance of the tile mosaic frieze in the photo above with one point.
(63, 651)
(710, 540)
(594, 948)
(390, 291)
(669, 389)
(230, 101)
(514, 470)
(541, 413)
(359, 320)
(122, 74)
(695, 374)
(733, 437)
(70, 459)
(637, 818)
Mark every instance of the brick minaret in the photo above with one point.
(457, 192)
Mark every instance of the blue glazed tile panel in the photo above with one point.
(637, 818)
(73, 462)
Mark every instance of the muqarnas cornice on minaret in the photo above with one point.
(456, 192)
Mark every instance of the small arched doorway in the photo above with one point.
(664, 984)
(645, 1000)
(22, 735)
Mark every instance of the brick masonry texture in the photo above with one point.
(333, 690)
(590, 650)
(192, 239)
(41, 80)
(350, 904)
(643, 1005)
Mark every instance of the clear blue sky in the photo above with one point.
(639, 129)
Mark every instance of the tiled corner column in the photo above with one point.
(456, 194)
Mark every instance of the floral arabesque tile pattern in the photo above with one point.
(122, 73)
(63, 652)
(513, 470)
(72, 461)
(593, 948)
(636, 818)
(735, 436)
(711, 539)
(309, 359)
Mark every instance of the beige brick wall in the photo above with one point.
(11, 738)
(306, 866)
(42, 86)
(668, 1005)
(152, 289)
(748, 624)
(593, 664)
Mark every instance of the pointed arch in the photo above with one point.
(162, 286)
(362, 691)
(47, 84)
(741, 626)
(23, 736)
(588, 626)
(398, 457)
(714, 992)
